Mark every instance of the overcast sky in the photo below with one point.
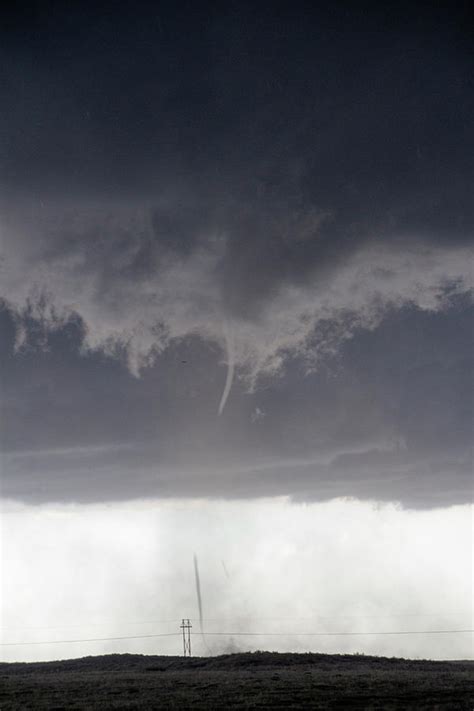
(236, 254)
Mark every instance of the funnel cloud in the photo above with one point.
(198, 590)
(230, 370)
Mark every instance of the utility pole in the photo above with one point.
(186, 627)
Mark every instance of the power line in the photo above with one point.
(238, 634)
(89, 624)
(247, 619)
(341, 617)
(329, 634)
(93, 639)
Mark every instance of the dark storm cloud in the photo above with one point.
(274, 183)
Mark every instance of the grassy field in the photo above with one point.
(256, 680)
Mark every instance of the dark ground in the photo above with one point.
(245, 681)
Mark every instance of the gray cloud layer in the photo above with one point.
(296, 186)
(389, 417)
